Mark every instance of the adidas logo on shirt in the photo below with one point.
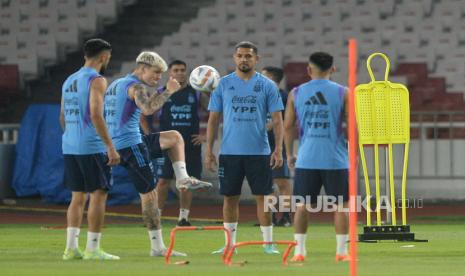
(72, 87)
(318, 99)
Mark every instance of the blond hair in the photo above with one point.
(152, 59)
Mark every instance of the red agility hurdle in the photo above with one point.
(196, 228)
(290, 245)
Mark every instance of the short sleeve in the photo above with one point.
(216, 99)
(274, 101)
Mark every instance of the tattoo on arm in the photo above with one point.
(149, 103)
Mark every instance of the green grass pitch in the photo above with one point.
(32, 250)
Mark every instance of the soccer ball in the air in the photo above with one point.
(204, 78)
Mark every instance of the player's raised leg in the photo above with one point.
(173, 142)
(137, 162)
(165, 173)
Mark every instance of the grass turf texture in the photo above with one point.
(33, 250)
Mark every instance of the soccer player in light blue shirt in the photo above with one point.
(319, 107)
(126, 99)
(244, 98)
(88, 150)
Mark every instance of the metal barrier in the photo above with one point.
(439, 127)
(9, 133)
(8, 138)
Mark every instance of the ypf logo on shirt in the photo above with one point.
(245, 104)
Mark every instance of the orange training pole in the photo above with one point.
(352, 157)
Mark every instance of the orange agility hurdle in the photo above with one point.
(196, 228)
(230, 253)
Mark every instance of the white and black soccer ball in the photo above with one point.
(204, 78)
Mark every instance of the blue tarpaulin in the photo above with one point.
(39, 160)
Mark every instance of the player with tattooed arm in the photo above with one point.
(125, 100)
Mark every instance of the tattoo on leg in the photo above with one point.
(151, 216)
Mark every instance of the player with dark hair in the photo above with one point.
(181, 113)
(88, 150)
(322, 159)
(244, 98)
(280, 175)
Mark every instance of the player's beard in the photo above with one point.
(244, 68)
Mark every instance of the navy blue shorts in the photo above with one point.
(308, 182)
(152, 141)
(87, 173)
(136, 160)
(256, 168)
(164, 167)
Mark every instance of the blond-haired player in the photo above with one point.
(125, 100)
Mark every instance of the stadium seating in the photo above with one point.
(9, 84)
(36, 34)
(411, 32)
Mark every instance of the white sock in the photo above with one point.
(232, 227)
(183, 214)
(341, 244)
(180, 171)
(72, 237)
(267, 233)
(93, 241)
(77, 237)
(156, 240)
(300, 247)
